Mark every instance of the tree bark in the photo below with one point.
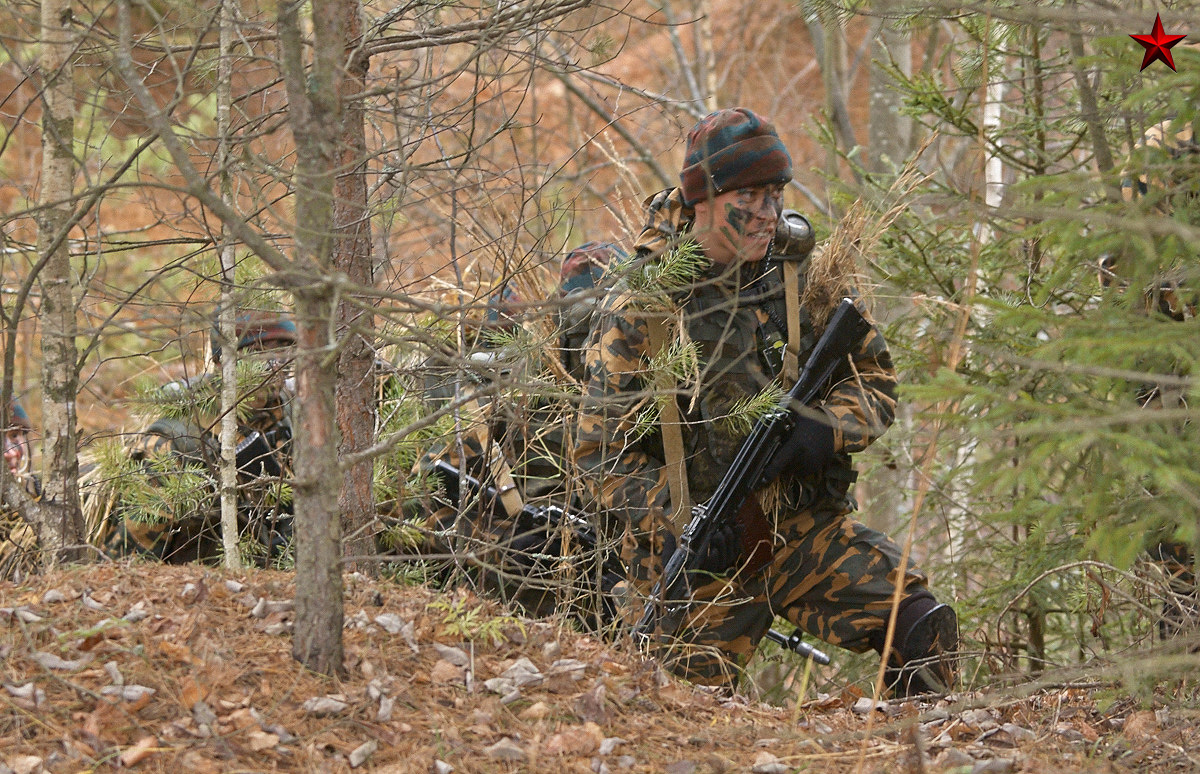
(228, 314)
(317, 637)
(60, 533)
(315, 116)
(356, 404)
(829, 44)
(890, 131)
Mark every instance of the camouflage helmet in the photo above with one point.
(17, 418)
(502, 309)
(260, 329)
(585, 265)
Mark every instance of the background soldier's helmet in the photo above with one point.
(581, 272)
(16, 438)
(503, 311)
(258, 330)
(585, 265)
(17, 418)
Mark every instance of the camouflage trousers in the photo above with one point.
(18, 547)
(831, 576)
(1181, 607)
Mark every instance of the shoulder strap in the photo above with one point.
(791, 292)
(672, 433)
(502, 478)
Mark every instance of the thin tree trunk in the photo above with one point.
(829, 44)
(315, 101)
(228, 315)
(890, 131)
(352, 257)
(317, 637)
(62, 527)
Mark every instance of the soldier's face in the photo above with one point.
(15, 444)
(738, 225)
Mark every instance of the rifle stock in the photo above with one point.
(670, 599)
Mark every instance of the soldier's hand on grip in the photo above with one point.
(722, 552)
(806, 451)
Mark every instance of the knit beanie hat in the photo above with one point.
(731, 149)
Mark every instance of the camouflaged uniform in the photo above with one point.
(187, 528)
(1174, 193)
(18, 542)
(580, 291)
(830, 575)
(514, 444)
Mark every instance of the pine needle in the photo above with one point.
(675, 270)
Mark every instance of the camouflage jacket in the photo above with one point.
(1162, 170)
(151, 517)
(732, 318)
(18, 542)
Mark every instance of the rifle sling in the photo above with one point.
(506, 488)
(791, 292)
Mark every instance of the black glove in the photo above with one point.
(723, 551)
(807, 451)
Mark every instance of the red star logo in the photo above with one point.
(1158, 44)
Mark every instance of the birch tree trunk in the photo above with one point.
(227, 322)
(60, 535)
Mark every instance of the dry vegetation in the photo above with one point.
(169, 669)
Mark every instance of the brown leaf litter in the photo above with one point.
(189, 669)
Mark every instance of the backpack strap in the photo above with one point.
(672, 433)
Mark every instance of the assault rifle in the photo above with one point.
(542, 522)
(536, 526)
(734, 501)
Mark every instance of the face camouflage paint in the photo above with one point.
(739, 225)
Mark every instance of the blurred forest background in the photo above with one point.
(382, 168)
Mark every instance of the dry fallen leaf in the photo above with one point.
(445, 672)
(572, 741)
(260, 740)
(191, 692)
(1141, 726)
(142, 749)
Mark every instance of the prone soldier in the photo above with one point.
(167, 509)
(518, 447)
(18, 543)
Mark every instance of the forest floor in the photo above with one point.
(189, 669)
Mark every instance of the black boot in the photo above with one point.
(922, 658)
